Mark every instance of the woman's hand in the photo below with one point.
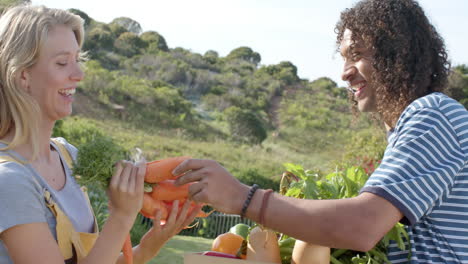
(214, 185)
(126, 189)
(159, 234)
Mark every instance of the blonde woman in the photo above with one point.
(44, 215)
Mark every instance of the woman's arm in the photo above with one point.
(31, 243)
(34, 243)
(110, 241)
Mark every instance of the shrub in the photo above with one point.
(76, 131)
(365, 148)
(250, 176)
(245, 126)
(129, 44)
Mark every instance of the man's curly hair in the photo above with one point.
(410, 60)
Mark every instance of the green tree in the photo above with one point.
(128, 44)
(129, 24)
(7, 3)
(154, 42)
(211, 56)
(245, 53)
(328, 85)
(285, 71)
(457, 86)
(83, 15)
(116, 29)
(100, 37)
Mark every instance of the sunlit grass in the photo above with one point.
(267, 159)
(174, 250)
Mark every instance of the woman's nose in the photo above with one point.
(78, 73)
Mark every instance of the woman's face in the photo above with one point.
(53, 79)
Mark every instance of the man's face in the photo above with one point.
(357, 71)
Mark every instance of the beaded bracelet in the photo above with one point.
(248, 200)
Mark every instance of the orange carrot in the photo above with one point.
(194, 206)
(167, 190)
(127, 250)
(170, 203)
(150, 206)
(160, 170)
(203, 214)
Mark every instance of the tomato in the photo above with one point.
(228, 243)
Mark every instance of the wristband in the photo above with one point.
(252, 191)
(261, 220)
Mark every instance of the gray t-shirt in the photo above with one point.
(22, 198)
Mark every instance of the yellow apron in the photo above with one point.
(69, 240)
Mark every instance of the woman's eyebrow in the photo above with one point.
(64, 52)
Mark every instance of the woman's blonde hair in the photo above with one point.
(23, 32)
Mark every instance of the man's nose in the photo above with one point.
(348, 71)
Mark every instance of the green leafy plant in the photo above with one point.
(342, 183)
(95, 161)
(94, 168)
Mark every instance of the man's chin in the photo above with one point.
(365, 107)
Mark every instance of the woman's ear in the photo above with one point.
(24, 80)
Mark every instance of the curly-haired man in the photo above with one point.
(396, 65)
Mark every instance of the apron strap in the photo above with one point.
(64, 227)
(64, 151)
(7, 158)
(67, 237)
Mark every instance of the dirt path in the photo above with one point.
(273, 111)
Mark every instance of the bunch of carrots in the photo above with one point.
(163, 193)
(94, 165)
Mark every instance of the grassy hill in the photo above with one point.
(313, 128)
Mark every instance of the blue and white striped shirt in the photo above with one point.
(424, 173)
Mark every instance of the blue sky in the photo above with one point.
(300, 31)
